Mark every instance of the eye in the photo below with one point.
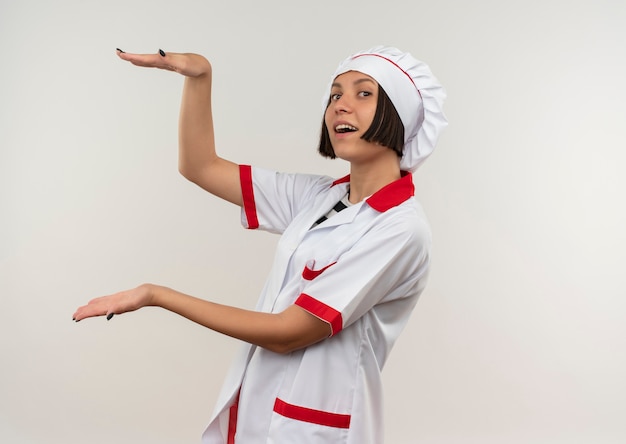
(335, 97)
(365, 94)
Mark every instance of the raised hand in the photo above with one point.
(187, 64)
(122, 302)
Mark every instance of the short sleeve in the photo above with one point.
(389, 262)
(271, 199)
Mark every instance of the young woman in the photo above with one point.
(349, 267)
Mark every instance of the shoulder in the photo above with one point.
(408, 217)
(317, 181)
(403, 229)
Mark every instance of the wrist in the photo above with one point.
(150, 295)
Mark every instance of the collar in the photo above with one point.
(389, 196)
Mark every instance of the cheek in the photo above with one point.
(327, 116)
(370, 117)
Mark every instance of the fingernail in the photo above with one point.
(109, 316)
(162, 53)
(119, 50)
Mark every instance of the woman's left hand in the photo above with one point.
(122, 302)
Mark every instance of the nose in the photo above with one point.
(343, 105)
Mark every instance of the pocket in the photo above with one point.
(319, 417)
(296, 424)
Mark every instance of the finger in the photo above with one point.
(159, 60)
(89, 311)
(96, 307)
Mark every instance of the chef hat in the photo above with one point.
(415, 92)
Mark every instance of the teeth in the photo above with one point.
(343, 128)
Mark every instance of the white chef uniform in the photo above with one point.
(361, 271)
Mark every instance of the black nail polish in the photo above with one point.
(109, 316)
(162, 53)
(120, 50)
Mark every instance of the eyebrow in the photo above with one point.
(356, 82)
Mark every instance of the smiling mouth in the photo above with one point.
(343, 128)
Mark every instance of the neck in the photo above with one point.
(368, 178)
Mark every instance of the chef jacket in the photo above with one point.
(361, 271)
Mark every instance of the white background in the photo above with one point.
(520, 336)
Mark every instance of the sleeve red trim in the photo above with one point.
(322, 311)
(310, 274)
(311, 415)
(247, 193)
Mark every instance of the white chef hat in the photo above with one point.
(415, 92)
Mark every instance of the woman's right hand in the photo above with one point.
(187, 64)
(197, 160)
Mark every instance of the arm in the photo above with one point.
(197, 160)
(282, 332)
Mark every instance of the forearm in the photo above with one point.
(278, 332)
(283, 332)
(196, 139)
(198, 160)
(197, 157)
